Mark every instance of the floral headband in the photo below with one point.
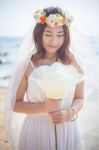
(53, 19)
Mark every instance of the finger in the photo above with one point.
(57, 118)
(55, 112)
(60, 118)
(57, 121)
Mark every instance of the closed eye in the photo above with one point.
(52, 35)
(60, 35)
(47, 35)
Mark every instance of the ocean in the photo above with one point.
(9, 48)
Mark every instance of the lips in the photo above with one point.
(52, 46)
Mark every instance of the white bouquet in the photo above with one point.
(57, 79)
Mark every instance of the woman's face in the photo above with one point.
(53, 38)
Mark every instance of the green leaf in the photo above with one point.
(58, 15)
(43, 13)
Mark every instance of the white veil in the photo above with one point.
(13, 120)
(84, 54)
(87, 57)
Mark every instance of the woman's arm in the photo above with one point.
(78, 101)
(20, 105)
(29, 107)
(71, 113)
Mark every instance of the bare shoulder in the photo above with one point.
(77, 65)
(28, 71)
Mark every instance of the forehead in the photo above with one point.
(56, 29)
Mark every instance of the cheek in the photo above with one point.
(61, 41)
(45, 40)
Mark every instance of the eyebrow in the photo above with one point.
(51, 31)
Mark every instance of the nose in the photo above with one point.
(54, 40)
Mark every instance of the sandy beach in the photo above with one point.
(88, 121)
(3, 140)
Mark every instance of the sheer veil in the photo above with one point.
(13, 121)
(87, 57)
(84, 54)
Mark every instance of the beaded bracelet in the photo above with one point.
(75, 114)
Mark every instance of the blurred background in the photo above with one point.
(16, 17)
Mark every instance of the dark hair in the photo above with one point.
(63, 53)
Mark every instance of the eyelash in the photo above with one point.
(51, 35)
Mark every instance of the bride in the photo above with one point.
(46, 91)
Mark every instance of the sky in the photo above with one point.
(16, 16)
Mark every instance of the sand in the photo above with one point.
(3, 140)
(88, 121)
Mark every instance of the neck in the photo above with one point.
(50, 56)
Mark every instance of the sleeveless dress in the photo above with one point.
(39, 132)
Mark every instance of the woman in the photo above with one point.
(48, 125)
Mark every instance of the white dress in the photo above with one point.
(38, 131)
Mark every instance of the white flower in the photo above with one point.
(56, 80)
(38, 14)
(51, 20)
(69, 18)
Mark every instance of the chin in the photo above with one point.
(52, 50)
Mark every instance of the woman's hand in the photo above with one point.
(51, 105)
(60, 116)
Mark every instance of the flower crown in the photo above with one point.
(53, 19)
